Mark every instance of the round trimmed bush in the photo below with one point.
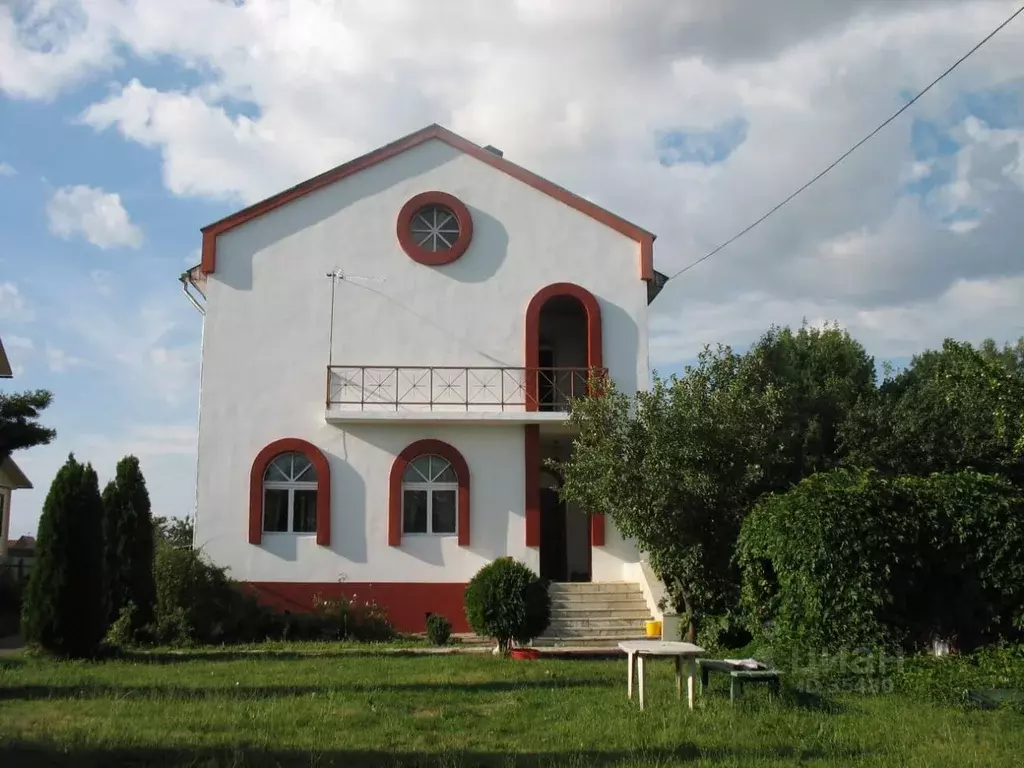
(507, 601)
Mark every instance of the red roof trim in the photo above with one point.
(644, 238)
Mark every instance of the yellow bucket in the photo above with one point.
(652, 628)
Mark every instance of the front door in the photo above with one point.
(554, 564)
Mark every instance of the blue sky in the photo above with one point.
(126, 127)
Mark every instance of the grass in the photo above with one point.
(324, 705)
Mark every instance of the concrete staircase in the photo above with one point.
(594, 615)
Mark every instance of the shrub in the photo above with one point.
(65, 610)
(507, 601)
(439, 629)
(348, 618)
(848, 559)
(197, 603)
(948, 679)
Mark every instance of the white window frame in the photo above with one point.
(430, 487)
(291, 486)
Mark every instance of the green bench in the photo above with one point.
(738, 676)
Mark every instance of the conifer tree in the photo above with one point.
(65, 604)
(128, 535)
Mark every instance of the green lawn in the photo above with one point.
(330, 706)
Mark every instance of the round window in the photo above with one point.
(434, 228)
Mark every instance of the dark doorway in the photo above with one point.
(563, 354)
(554, 563)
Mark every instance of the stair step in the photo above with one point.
(589, 587)
(640, 613)
(598, 605)
(612, 632)
(625, 625)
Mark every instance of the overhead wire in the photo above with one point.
(852, 149)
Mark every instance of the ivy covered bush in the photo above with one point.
(507, 601)
(853, 558)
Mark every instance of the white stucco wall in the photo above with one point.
(266, 351)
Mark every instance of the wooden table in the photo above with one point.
(636, 650)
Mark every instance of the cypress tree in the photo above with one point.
(128, 535)
(65, 605)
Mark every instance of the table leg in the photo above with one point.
(629, 676)
(735, 688)
(691, 673)
(703, 679)
(640, 682)
(679, 677)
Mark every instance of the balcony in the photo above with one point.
(446, 393)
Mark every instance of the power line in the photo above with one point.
(854, 148)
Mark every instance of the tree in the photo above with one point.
(129, 542)
(952, 409)
(820, 374)
(19, 421)
(176, 531)
(1010, 355)
(65, 606)
(677, 468)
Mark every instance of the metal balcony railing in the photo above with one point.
(447, 388)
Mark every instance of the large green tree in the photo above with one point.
(129, 542)
(65, 606)
(19, 421)
(952, 409)
(679, 467)
(675, 468)
(820, 374)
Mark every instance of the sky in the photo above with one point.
(126, 125)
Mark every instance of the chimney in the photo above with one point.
(494, 150)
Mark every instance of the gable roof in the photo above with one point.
(644, 239)
(11, 475)
(5, 364)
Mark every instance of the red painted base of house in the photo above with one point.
(407, 604)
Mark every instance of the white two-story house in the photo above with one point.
(389, 350)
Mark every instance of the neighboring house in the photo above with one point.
(389, 350)
(5, 364)
(20, 556)
(11, 476)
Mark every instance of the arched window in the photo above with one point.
(430, 497)
(428, 493)
(290, 495)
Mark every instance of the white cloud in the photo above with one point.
(6, 169)
(971, 310)
(579, 90)
(14, 306)
(96, 215)
(103, 281)
(150, 348)
(18, 342)
(166, 453)
(60, 361)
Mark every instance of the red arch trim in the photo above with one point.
(595, 348)
(323, 486)
(595, 359)
(414, 451)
